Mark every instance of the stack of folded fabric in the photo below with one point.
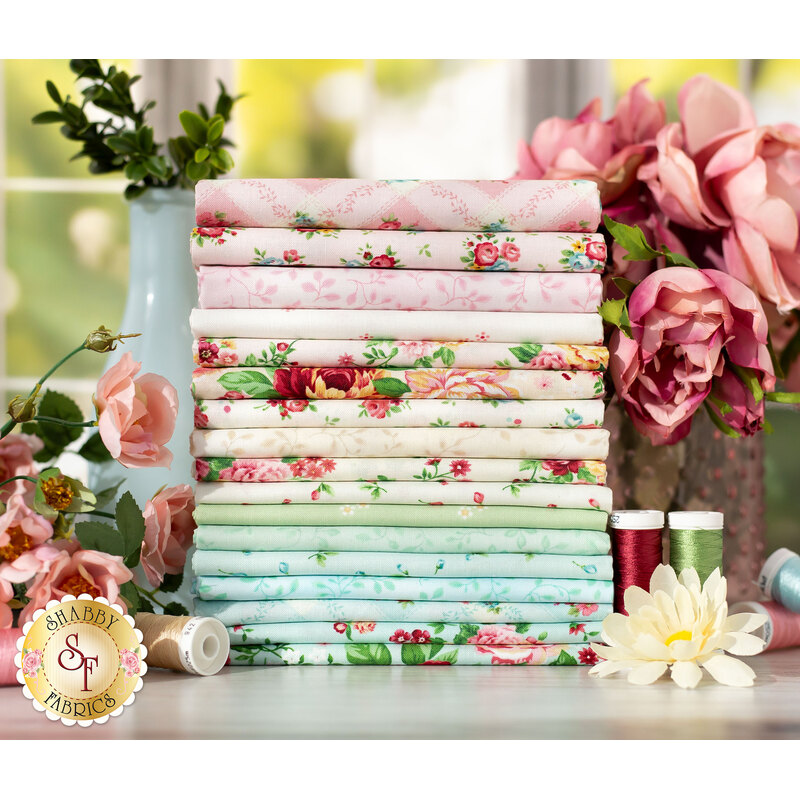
(399, 441)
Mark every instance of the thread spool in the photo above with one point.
(782, 628)
(636, 550)
(695, 540)
(199, 645)
(780, 578)
(8, 649)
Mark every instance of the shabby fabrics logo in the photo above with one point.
(81, 660)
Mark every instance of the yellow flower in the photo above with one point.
(682, 626)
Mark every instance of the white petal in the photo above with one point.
(635, 598)
(712, 583)
(691, 580)
(606, 668)
(683, 650)
(647, 672)
(746, 623)
(684, 607)
(729, 671)
(666, 605)
(663, 579)
(616, 630)
(741, 644)
(686, 674)
(651, 648)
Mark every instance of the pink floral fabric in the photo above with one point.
(404, 290)
(425, 205)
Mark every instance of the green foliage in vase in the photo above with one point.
(123, 142)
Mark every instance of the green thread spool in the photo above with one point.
(695, 540)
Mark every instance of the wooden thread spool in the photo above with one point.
(199, 645)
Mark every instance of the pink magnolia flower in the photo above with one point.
(6, 593)
(23, 533)
(16, 458)
(75, 571)
(129, 661)
(681, 319)
(168, 528)
(608, 153)
(136, 416)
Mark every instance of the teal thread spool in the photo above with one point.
(780, 578)
(695, 540)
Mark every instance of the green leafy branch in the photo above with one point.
(123, 142)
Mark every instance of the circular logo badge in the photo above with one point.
(81, 660)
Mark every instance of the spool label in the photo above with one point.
(81, 660)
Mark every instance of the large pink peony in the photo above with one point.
(136, 416)
(16, 458)
(168, 528)
(75, 571)
(23, 537)
(608, 153)
(681, 320)
(6, 593)
(746, 416)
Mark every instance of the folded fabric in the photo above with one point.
(235, 352)
(319, 383)
(415, 565)
(369, 539)
(501, 470)
(522, 633)
(523, 252)
(530, 655)
(403, 290)
(376, 412)
(541, 495)
(409, 516)
(585, 443)
(432, 205)
(357, 587)
(326, 610)
(470, 326)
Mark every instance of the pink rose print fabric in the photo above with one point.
(423, 205)
(404, 290)
(387, 249)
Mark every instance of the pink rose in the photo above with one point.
(295, 406)
(548, 361)
(6, 593)
(486, 254)
(383, 261)
(282, 347)
(201, 469)
(746, 416)
(596, 251)
(23, 533)
(478, 498)
(129, 661)
(509, 251)
(681, 319)
(16, 458)
(364, 627)
(136, 417)
(200, 419)
(75, 571)
(498, 635)
(608, 153)
(233, 396)
(168, 528)
(250, 470)
(377, 408)
(214, 233)
(390, 225)
(31, 662)
(290, 255)
(228, 358)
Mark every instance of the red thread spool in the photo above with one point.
(782, 628)
(8, 649)
(637, 550)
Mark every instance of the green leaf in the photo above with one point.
(53, 92)
(176, 610)
(197, 172)
(615, 312)
(135, 171)
(131, 527)
(122, 144)
(368, 654)
(565, 660)
(723, 426)
(55, 437)
(216, 125)
(195, 126)
(94, 450)
(624, 285)
(783, 397)
(525, 353)
(99, 536)
(107, 495)
(632, 239)
(157, 166)
(43, 117)
(134, 602)
(222, 160)
(391, 387)
(248, 382)
(201, 154)
(412, 654)
(171, 583)
(677, 259)
(451, 656)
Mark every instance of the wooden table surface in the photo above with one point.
(435, 703)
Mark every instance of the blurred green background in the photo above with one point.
(65, 243)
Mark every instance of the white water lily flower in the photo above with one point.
(682, 626)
